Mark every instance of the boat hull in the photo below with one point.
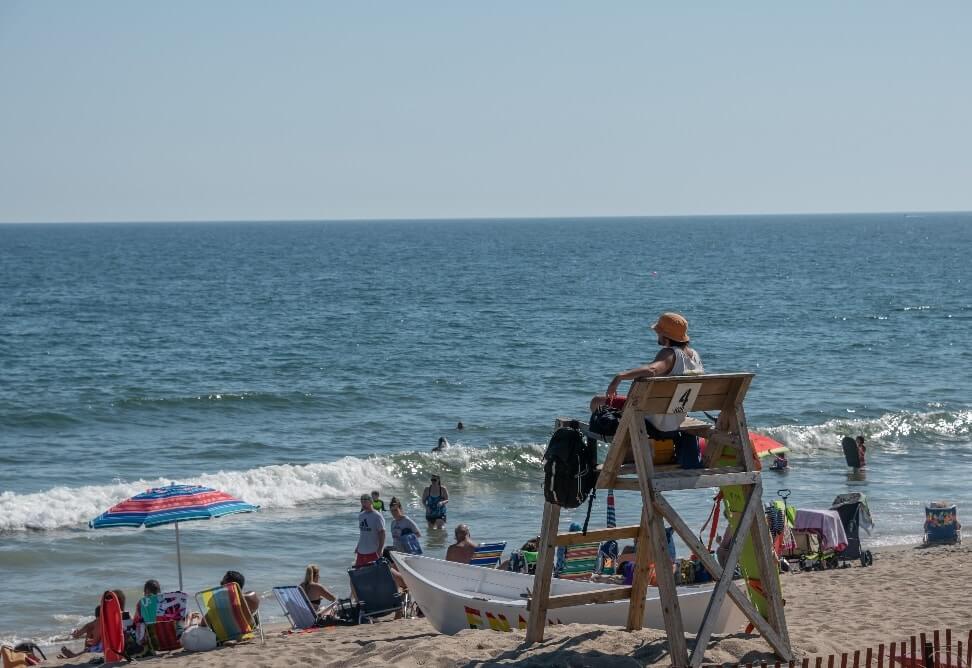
(454, 597)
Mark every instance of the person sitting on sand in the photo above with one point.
(441, 445)
(674, 359)
(463, 549)
(315, 591)
(150, 588)
(91, 632)
(251, 597)
(434, 498)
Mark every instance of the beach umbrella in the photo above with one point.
(612, 516)
(170, 505)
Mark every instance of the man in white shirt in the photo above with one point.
(372, 539)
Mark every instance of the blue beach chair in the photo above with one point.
(296, 606)
(941, 524)
(488, 555)
(376, 591)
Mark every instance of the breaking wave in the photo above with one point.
(291, 485)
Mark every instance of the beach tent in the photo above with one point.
(171, 505)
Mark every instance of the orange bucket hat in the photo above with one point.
(672, 326)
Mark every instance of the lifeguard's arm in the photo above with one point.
(662, 364)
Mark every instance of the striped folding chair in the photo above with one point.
(227, 613)
(488, 555)
(160, 618)
(580, 561)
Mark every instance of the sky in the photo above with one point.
(186, 110)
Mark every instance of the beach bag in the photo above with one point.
(347, 612)
(570, 467)
(198, 639)
(674, 447)
(605, 420)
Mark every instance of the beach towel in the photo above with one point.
(826, 523)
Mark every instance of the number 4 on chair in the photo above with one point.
(684, 398)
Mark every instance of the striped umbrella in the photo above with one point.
(171, 505)
(612, 516)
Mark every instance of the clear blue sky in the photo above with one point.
(127, 111)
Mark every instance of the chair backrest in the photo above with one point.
(580, 561)
(488, 554)
(375, 588)
(941, 522)
(162, 617)
(296, 606)
(226, 612)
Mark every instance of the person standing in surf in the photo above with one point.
(861, 451)
(434, 498)
(675, 358)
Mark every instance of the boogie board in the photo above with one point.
(112, 631)
(850, 452)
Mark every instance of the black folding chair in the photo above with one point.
(376, 590)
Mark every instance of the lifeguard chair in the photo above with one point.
(728, 463)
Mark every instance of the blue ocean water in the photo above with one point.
(298, 364)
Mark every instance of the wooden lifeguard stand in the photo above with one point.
(729, 462)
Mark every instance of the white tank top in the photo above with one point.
(687, 363)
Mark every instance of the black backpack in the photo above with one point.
(569, 467)
(605, 420)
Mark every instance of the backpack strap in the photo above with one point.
(590, 504)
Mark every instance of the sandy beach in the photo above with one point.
(907, 591)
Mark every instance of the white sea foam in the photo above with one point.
(278, 486)
(887, 431)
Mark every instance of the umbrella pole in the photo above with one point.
(178, 555)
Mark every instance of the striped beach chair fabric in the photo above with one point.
(488, 555)
(580, 561)
(227, 613)
(296, 606)
(160, 620)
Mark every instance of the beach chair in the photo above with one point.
(376, 591)
(296, 606)
(941, 524)
(227, 613)
(580, 561)
(488, 555)
(160, 620)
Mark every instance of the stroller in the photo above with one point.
(941, 524)
(854, 515)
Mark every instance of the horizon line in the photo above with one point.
(459, 219)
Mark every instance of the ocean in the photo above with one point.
(297, 365)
